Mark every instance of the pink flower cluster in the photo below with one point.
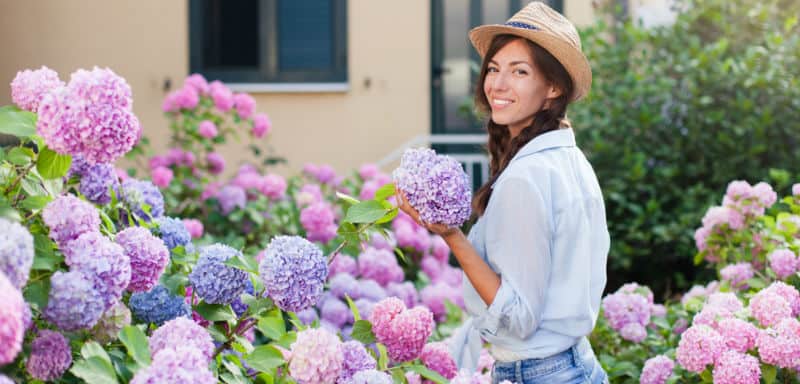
(319, 222)
(316, 357)
(403, 331)
(29, 87)
(628, 311)
(657, 370)
(12, 329)
(775, 303)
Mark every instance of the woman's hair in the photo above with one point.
(500, 146)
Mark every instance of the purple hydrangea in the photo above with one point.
(102, 261)
(371, 376)
(16, 252)
(50, 356)
(158, 306)
(408, 293)
(436, 186)
(344, 284)
(294, 271)
(307, 316)
(231, 197)
(12, 326)
(179, 365)
(148, 256)
(91, 116)
(29, 87)
(113, 320)
(335, 312)
(74, 302)
(343, 264)
(238, 306)
(319, 221)
(212, 280)
(356, 358)
(434, 296)
(657, 370)
(184, 332)
(316, 357)
(97, 181)
(380, 265)
(138, 193)
(173, 232)
(69, 217)
(370, 289)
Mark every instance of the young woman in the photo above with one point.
(535, 260)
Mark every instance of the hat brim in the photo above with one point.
(571, 58)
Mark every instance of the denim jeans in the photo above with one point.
(577, 364)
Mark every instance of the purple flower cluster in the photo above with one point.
(173, 232)
(140, 193)
(12, 327)
(371, 376)
(184, 332)
(29, 87)
(316, 357)
(74, 302)
(103, 262)
(69, 217)
(319, 221)
(16, 252)
(50, 356)
(355, 359)
(91, 116)
(178, 365)
(97, 181)
(403, 331)
(231, 197)
(158, 306)
(380, 265)
(294, 271)
(148, 256)
(213, 280)
(436, 186)
(273, 186)
(629, 308)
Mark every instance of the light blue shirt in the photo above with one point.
(544, 233)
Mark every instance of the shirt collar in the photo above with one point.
(564, 137)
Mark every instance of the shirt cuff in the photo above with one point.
(490, 321)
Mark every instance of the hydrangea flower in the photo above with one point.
(736, 367)
(317, 357)
(50, 356)
(634, 332)
(173, 232)
(769, 308)
(179, 365)
(103, 262)
(12, 327)
(622, 308)
(91, 116)
(158, 306)
(113, 320)
(215, 162)
(436, 357)
(273, 186)
(29, 87)
(408, 293)
(16, 252)
(207, 129)
(184, 332)
(148, 257)
(138, 193)
(355, 359)
(737, 334)
(403, 331)
(244, 104)
(319, 221)
(261, 125)
(657, 370)
(780, 345)
(5, 380)
(222, 96)
(434, 295)
(343, 263)
(370, 289)
(195, 227)
(231, 197)
(371, 376)
(380, 265)
(737, 274)
(436, 186)
(162, 176)
(783, 262)
(213, 280)
(69, 217)
(335, 312)
(699, 346)
(96, 182)
(294, 271)
(74, 302)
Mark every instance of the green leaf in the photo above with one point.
(243, 262)
(353, 308)
(706, 376)
(256, 305)
(20, 155)
(365, 212)
(215, 312)
(362, 331)
(383, 357)
(95, 370)
(398, 376)
(35, 203)
(16, 122)
(661, 322)
(93, 349)
(768, 373)
(136, 342)
(37, 293)
(272, 325)
(347, 198)
(52, 165)
(44, 258)
(264, 358)
(385, 191)
(388, 216)
(428, 374)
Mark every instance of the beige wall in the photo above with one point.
(579, 12)
(146, 41)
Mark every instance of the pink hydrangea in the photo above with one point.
(657, 370)
(796, 189)
(68, 217)
(245, 105)
(737, 368)
(261, 125)
(162, 176)
(368, 190)
(308, 194)
(434, 295)
(12, 327)
(783, 262)
(436, 357)
(319, 221)
(789, 293)
(273, 186)
(769, 308)
(711, 315)
(179, 365)
(207, 129)
(343, 263)
(726, 300)
(198, 82)
(737, 274)
(780, 345)
(765, 194)
(699, 346)
(368, 171)
(50, 356)
(317, 357)
(403, 331)
(222, 96)
(195, 227)
(737, 334)
(634, 332)
(700, 237)
(380, 265)
(404, 291)
(716, 216)
(182, 331)
(29, 87)
(624, 307)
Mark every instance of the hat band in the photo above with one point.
(517, 24)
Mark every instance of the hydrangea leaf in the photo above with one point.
(16, 122)
(136, 342)
(52, 165)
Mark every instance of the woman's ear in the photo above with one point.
(553, 92)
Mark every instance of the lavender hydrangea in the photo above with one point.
(214, 281)
(380, 265)
(12, 327)
(16, 252)
(173, 232)
(69, 217)
(113, 320)
(356, 358)
(103, 262)
(50, 356)
(436, 186)
(179, 365)
(185, 332)
(138, 193)
(29, 87)
(335, 312)
(148, 257)
(231, 197)
(294, 271)
(371, 376)
(158, 306)
(74, 302)
(97, 181)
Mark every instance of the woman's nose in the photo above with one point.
(500, 81)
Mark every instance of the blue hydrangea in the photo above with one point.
(74, 303)
(356, 358)
(213, 281)
(158, 306)
(238, 306)
(137, 193)
(294, 271)
(173, 232)
(16, 252)
(96, 181)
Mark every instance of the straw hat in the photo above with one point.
(542, 25)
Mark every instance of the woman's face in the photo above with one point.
(515, 88)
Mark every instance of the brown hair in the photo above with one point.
(501, 147)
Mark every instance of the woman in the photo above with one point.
(535, 260)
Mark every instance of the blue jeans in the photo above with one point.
(577, 364)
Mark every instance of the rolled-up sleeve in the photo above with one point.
(518, 234)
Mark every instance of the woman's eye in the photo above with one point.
(522, 72)
(491, 69)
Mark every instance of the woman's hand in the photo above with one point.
(442, 230)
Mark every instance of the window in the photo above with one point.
(269, 41)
